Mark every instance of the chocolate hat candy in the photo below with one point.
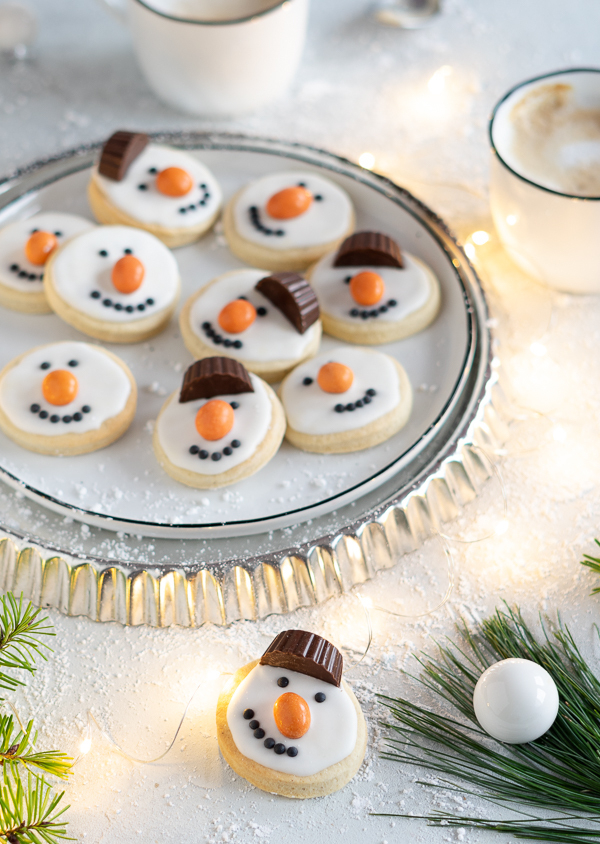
(370, 249)
(214, 377)
(307, 653)
(119, 152)
(293, 296)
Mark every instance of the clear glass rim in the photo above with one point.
(509, 93)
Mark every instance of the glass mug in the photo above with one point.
(216, 58)
(552, 235)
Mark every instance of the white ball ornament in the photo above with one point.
(516, 701)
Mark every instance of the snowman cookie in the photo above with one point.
(223, 426)
(287, 221)
(344, 400)
(372, 293)
(25, 247)
(270, 323)
(289, 723)
(115, 283)
(66, 398)
(167, 191)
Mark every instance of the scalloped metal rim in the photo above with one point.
(253, 587)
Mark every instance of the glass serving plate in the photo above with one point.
(111, 536)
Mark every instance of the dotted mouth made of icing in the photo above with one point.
(219, 340)
(54, 417)
(184, 209)
(353, 405)
(256, 221)
(203, 454)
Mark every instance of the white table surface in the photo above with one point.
(362, 87)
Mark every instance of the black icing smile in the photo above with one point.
(254, 212)
(202, 201)
(54, 417)
(276, 746)
(203, 454)
(356, 405)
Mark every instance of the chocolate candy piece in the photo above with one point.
(297, 650)
(368, 249)
(214, 377)
(119, 152)
(293, 296)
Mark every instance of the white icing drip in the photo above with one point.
(103, 386)
(79, 269)
(333, 729)
(270, 337)
(410, 286)
(151, 206)
(177, 430)
(14, 237)
(323, 222)
(310, 410)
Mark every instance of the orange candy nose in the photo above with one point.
(367, 288)
(214, 420)
(173, 181)
(128, 274)
(289, 202)
(292, 715)
(39, 247)
(60, 387)
(237, 316)
(335, 378)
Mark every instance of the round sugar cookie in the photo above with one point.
(166, 191)
(289, 725)
(213, 436)
(116, 283)
(25, 247)
(66, 398)
(371, 303)
(260, 335)
(313, 214)
(348, 399)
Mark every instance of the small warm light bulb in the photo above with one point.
(366, 602)
(480, 237)
(559, 434)
(538, 349)
(437, 83)
(470, 250)
(501, 527)
(511, 219)
(85, 746)
(367, 160)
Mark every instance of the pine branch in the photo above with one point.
(31, 812)
(18, 748)
(20, 645)
(558, 772)
(592, 563)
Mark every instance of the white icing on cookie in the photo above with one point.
(177, 431)
(16, 271)
(152, 207)
(410, 288)
(325, 220)
(103, 387)
(331, 736)
(80, 272)
(271, 337)
(310, 410)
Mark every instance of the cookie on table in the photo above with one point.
(289, 723)
(222, 427)
(167, 191)
(66, 398)
(344, 400)
(114, 283)
(288, 220)
(270, 323)
(370, 292)
(25, 247)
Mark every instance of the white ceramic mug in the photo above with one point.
(214, 66)
(553, 236)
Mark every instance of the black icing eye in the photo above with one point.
(283, 682)
(142, 187)
(153, 171)
(73, 363)
(103, 253)
(45, 365)
(318, 198)
(320, 697)
(128, 251)
(58, 234)
(261, 311)
(301, 184)
(234, 405)
(348, 279)
(307, 381)
(33, 231)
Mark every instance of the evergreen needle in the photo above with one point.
(559, 772)
(20, 644)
